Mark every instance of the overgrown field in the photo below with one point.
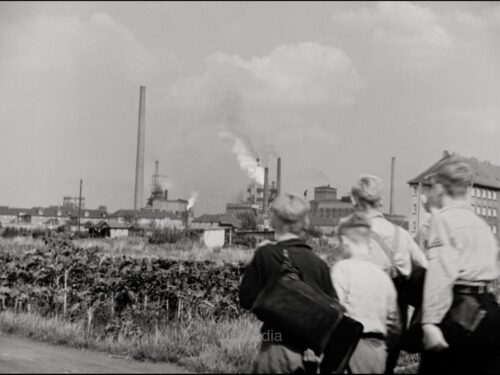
(176, 305)
(115, 294)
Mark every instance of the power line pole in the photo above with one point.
(391, 199)
(79, 206)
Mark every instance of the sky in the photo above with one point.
(334, 88)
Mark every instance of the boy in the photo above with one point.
(368, 295)
(461, 318)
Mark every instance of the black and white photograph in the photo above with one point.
(307, 187)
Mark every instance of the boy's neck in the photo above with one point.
(361, 251)
(447, 200)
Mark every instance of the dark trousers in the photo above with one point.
(476, 352)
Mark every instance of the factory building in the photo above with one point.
(484, 197)
(258, 197)
(176, 206)
(149, 218)
(327, 209)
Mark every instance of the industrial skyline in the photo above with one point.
(336, 89)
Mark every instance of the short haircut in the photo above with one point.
(367, 191)
(292, 212)
(455, 176)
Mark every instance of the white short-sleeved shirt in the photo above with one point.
(367, 293)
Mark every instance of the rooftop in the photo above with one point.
(325, 187)
(483, 172)
(208, 218)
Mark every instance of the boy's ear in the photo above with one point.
(346, 241)
(439, 188)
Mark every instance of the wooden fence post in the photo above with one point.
(65, 306)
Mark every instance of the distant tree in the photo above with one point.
(130, 218)
(248, 220)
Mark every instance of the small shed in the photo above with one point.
(110, 229)
(213, 238)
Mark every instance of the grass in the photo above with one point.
(185, 250)
(203, 346)
(199, 345)
(20, 245)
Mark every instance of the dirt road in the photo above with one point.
(21, 355)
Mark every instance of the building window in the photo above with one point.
(414, 226)
(494, 212)
(414, 190)
(494, 229)
(489, 211)
(414, 210)
(473, 192)
(484, 193)
(321, 212)
(483, 211)
(495, 195)
(489, 194)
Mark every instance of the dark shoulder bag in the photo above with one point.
(290, 304)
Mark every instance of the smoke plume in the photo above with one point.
(246, 160)
(192, 199)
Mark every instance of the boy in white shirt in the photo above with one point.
(368, 295)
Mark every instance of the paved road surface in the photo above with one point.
(21, 355)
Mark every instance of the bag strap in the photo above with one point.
(387, 250)
(287, 261)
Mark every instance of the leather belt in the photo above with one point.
(471, 289)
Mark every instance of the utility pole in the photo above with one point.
(391, 199)
(79, 206)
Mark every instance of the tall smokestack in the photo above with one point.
(266, 190)
(139, 168)
(391, 199)
(157, 168)
(278, 176)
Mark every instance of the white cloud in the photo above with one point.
(67, 44)
(291, 79)
(274, 104)
(303, 74)
(483, 120)
(401, 32)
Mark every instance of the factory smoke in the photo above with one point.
(246, 160)
(192, 200)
